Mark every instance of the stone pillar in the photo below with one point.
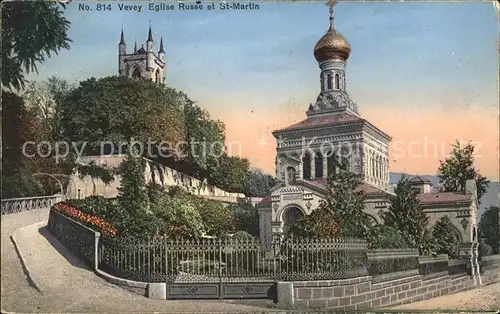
(325, 167)
(313, 165)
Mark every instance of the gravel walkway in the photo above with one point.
(68, 286)
(487, 298)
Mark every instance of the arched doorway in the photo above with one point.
(290, 217)
(136, 73)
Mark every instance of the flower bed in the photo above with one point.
(89, 220)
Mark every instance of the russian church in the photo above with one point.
(335, 133)
(143, 62)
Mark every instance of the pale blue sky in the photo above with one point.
(263, 56)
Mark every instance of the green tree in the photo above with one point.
(386, 237)
(133, 197)
(455, 170)
(233, 174)
(45, 100)
(206, 138)
(345, 201)
(319, 224)
(218, 219)
(176, 218)
(31, 32)
(247, 219)
(118, 109)
(489, 228)
(406, 214)
(447, 240)
(260, 183)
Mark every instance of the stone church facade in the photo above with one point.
(334, 133)
(143, 62)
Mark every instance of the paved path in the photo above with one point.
(487, 298)
(68, 286)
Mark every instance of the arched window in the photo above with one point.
(329, 81)
(337, 81)
(345, 163)
(318, 165)
(306, 166)
(322, 79)
(331, 162)
(136, 73)
(290, 175)
(157, 77)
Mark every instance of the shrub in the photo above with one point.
(176, 218)
(97, 206)
(386, 237)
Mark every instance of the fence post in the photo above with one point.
(96, 250)
(220, 267)
(166, 268)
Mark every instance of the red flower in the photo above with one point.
(101, 225)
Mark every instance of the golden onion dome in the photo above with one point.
(332, 46)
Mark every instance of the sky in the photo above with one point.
(424, 73)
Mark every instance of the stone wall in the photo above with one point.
(78, 238)
(362, 293)
(153, 172)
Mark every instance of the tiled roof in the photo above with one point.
(366, 188)
(316, 121)
(443, 198)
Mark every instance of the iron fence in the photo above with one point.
(17, 205)
(215, 260)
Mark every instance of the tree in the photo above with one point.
(386, 237)
(455, 170)
(447, 240)
(118, 109)
(233, 174)
(489, 228)
(260, 183)
(45, 100)
(206, 138)
(247, 219)
(176, 218)
(133, 197)
(345, 201)
(319, 224)
(31, 31)
(406, 214)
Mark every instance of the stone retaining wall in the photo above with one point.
(361, 293)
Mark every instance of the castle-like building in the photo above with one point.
(142, 63)
(334, 133)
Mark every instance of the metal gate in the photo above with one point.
(213, 269)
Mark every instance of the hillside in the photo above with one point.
(490, 198)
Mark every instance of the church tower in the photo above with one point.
(142, 63)
(334, 134)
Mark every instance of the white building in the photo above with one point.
(142, 63)
(335, 130)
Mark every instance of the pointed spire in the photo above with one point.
(150, 35)
(135, 46)
(161, 46)
(331, 4)
(122, 38)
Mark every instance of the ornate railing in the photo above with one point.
(214, 260)
(17, 205)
